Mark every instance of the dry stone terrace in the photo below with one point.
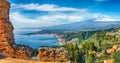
(53, 54)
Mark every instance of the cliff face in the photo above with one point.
(6, 30)
(7, 44)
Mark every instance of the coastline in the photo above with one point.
(59, 38)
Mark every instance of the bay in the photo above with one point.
(35, 41)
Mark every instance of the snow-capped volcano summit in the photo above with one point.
(102, 18)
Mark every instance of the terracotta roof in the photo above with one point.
(109, 61)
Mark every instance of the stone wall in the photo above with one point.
(53, 54)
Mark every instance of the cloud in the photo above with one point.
(54, 16)
(46, 7)
(19, 20)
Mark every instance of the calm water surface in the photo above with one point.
(34, 41)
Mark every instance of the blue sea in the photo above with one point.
(35, 41)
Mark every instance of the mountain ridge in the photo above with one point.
(84, 25)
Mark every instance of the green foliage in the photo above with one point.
(80, 35)
(117, 57)
(88, 46)
(90, 58)
(76, 55)
(90, 41)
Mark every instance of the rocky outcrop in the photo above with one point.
(6, 30)
(53, 54)
(23, 52)
(7, 44)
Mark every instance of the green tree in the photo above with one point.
(90, 58)
(117, 57)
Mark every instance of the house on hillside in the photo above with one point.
(110, 33)
(117, 34)
(109, 61)
(99, 54)
(118, 48)
(110, 50)
(118, 30)
(113, 49)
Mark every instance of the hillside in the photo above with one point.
(83, 26)
(99, 47)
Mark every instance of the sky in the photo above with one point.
(42, 13)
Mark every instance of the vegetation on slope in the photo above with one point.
(93, 46)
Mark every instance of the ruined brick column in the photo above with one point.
(6, 30)
(7, 44)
